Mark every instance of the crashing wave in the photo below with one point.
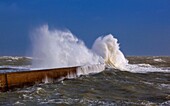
(57, 48)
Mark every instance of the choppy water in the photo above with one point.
(109, 88)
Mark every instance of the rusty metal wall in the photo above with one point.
(3, 82)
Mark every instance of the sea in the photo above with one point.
(146, 83)
(107, 77)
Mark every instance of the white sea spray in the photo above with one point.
(56, 48)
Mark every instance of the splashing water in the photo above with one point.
(108, 48)
(56, 48)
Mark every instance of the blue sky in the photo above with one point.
(141, 26)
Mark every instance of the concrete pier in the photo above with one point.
(12, 80)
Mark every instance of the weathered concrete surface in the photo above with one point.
(25, 78)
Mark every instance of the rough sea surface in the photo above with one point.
(109, 88)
